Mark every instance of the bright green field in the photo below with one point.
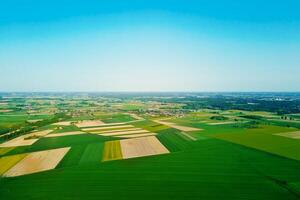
(226, 162)
(10, 120)
(232, 170)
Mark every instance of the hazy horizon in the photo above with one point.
(150, 46)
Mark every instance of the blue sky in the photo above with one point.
(164, 45)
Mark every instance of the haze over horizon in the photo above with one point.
(149, 45)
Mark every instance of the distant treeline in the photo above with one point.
(279, 106)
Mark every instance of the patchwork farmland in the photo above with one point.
(129, 149)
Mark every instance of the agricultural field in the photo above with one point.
(75, 146)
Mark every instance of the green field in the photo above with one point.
(242, 159)
(180, 175)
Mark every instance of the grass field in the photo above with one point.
(240, 160)
(287, 147)
(92, 153)
(180, 175)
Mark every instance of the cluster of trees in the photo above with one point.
(219, 117)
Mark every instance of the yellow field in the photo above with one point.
(65, 123)
(112, 151)
(5, 150)
(8, 162)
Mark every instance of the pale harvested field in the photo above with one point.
(135, 135)
(294, 135)
(37, 162)
(3, 103)
(120, 130)
(220, 123)
(179, 127)
(143, 146)
(124, 133)
(107, 127)
(41, 133)
(66, 123)
(89, 123)
(65, 134)
(21, 141)
(113, 124)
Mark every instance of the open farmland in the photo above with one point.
(37, 162)
(149, 150)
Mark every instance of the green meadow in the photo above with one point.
(233, 155)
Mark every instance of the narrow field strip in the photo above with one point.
(135, 116)
(119, 130)
(179, 127)
(135, 135)
(24, 139)
(143, 146)
(37, 162)
(112, 151)
(124, 133)
(107, 127)
(188, 136)
(65, 134)
(65, 123)
(8, 162)
(112, 124)
(221, 123)
(293, 135)
(89, 123)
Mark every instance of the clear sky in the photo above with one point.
(154, 45)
